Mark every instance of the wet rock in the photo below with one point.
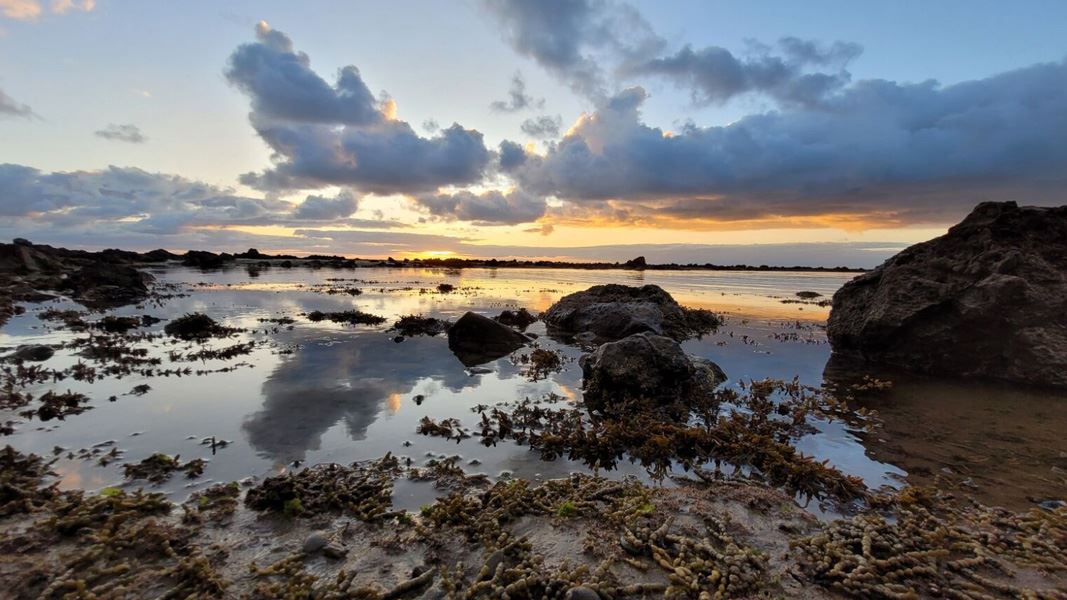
(612, 312)
(519, 319)
(107, 284)
(476, 339)
(581, 593)
(315, 543)
(31, 353)
(206, 260)
(988, 299)
(645, 367)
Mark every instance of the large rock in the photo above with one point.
(104, 284)
(645, 367)
(613, 311)
(475, 339)
(988, 299)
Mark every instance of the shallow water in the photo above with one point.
(325, 392)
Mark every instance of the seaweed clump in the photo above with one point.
(350, 317)
(412, 325)
(22, 488)
(774, 413)
(197, 327)
(362, 490)
(519, 319)
(934, 546)
(159, 468)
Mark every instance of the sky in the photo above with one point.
(816, 133)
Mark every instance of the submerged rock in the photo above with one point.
(988, 299)
(476, 339)
(645, 367)
(612, 312)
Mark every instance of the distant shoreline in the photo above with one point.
(253, 257)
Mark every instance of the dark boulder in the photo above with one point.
(636, 263)
(202, 259)
(612, 312)
(646, 368)
(106, 284)
(31, 353)
(476, 339)
(988, 299)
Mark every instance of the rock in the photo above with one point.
(31, 353)
(581, 593)
(315, 542)
(519, 319)
(988, 299)
(206, 260)
(613, 312)
(645, 367)
(636, 263)
(476, 339)
(107, 284)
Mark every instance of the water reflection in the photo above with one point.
(344, 378)
(1000, 443)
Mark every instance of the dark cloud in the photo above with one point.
(489, 208)
(282, 85)
(122, 133)
(572, 38)
(876, 147)
(341, 135)
(715, 75)
(320, 208)
(543, 126)
(10, 108)
(512, 155)
(518, 99)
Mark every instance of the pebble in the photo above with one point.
(315, 542)
(581, 593)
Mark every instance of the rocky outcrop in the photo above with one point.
(612, 312)
(988, 299)
(204, 260)
(646, 368)
(98, 279)
(476, 339)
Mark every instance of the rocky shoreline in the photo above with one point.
(720, 516)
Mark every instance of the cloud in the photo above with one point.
(585, 43)
(122, 133)
(518, 99)
(715, 75)
(10, 108)
(60, 7)
(340, 134)
(876, 148)
(21, 10)
(489, 208)
(320, 208)
(543, 126)
(31, 10)
(126, 199)
(572, 38)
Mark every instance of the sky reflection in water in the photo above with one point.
(349, 393)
